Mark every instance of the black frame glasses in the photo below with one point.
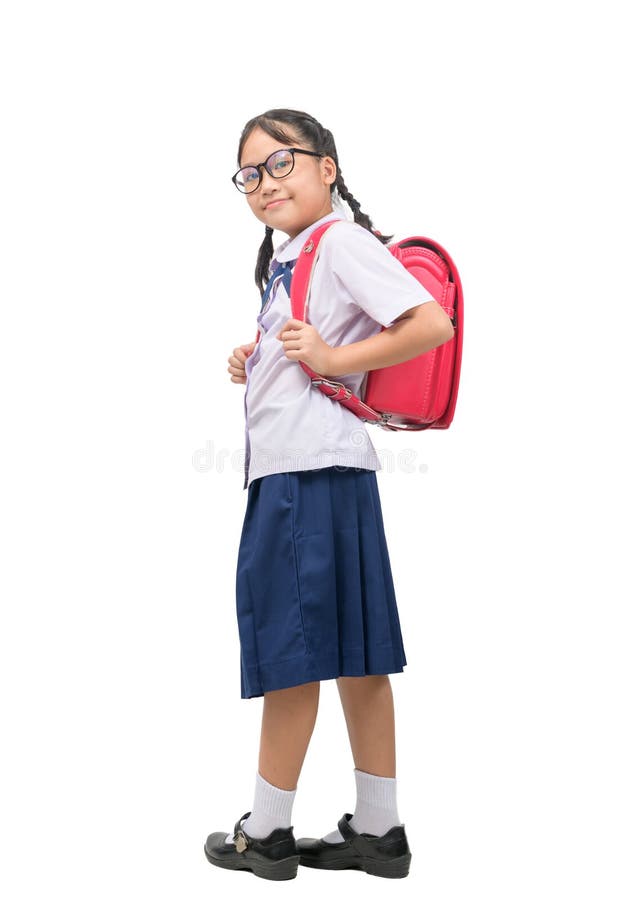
(291, 150)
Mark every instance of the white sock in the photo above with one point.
(375, 810)
(272, 808)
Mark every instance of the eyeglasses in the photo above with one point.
(279, 164)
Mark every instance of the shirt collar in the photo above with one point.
(291, 248)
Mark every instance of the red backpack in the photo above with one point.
(421, 392)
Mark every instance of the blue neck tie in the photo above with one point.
(284, 269)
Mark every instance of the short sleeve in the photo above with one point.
(377, 281)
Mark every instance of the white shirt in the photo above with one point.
(357, 286)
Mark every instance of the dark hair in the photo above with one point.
(307, 130)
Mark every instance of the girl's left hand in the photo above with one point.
(301, 341)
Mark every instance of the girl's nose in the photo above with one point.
(268, 182)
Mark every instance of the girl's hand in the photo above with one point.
(237, 362)
(301, 341)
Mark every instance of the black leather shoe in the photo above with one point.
(274, 857)
(388, 855)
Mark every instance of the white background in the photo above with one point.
(127, 278)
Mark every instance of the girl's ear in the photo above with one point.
(330, 169)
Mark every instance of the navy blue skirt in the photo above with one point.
(315, 596)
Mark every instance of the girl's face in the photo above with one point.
(305, 191)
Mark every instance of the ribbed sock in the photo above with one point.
(272, 808)
(375, 809)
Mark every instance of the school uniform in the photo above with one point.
(315, 595)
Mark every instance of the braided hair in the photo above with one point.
(321, 140)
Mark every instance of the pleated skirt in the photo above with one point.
(315, 595)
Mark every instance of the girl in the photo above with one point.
(315, 596)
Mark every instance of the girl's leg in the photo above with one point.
(368, 706)
(288, 722)
(289, 716)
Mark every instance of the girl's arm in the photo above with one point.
(416, 331)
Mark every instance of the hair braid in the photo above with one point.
(328, 147)
(264, 257)
(358, 216)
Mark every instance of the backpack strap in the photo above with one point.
(300, 289)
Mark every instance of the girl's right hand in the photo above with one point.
(237, 362)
